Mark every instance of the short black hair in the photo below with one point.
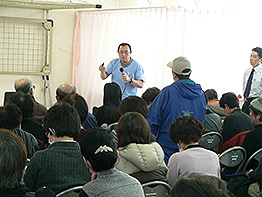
(94, 138)
(124, 44)
(211, 94)
(63, 119)
(79, 103)
(25, 103)
(10, 116)
(150, 94)
(183, 76)
(187, 129)
(133, 104)
(259, 51)
(230, 99)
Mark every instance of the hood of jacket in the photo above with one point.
(140, 157)
(188, 88)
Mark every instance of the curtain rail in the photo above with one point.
(120, 9)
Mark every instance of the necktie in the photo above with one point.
(249, 82)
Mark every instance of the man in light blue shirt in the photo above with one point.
(125, 71)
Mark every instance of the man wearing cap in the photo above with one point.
(252, 83)
(183, 97)
(253, 139)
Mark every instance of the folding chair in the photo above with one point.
(156, 188)
(211, 140)
(257, 156)
(233, 157)
(71, 192)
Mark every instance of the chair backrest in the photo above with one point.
(156, 188)
(256, 155)
(7, 96)
(71, 192)
(232, 157)
(211, 140)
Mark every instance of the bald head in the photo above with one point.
(63, 90)
(24, 85)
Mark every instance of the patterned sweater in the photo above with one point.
(58, 167)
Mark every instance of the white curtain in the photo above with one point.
(217, 44)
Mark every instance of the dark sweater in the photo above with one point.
(235, 123)
(252, 142)
(29, 140)
(58, 167)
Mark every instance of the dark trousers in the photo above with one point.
(245, 107)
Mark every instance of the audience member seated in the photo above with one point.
(25, 86)
(61, 165)
(212, 121)
(255, 175)
(249, 185)
(11, 118)
(100, 155)
(150, 94)
(137, 156)
(253, 139)
(236, 121)
(25, 103)
(80, 104)
(199, 185)
(187, 131)
(213, 103)
(133, 104)
(67, 89)
(12, 165)
(108, 113)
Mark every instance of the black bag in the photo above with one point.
(239, 185)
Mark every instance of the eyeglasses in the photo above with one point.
(124, 52)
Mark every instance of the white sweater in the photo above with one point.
(192, 160)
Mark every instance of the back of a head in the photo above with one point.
(230, 99)
(259, 51)
(63, 119)
(211, 94)
(187, 129)
(112, 94)
(99, 148)
(65, 89)
(133, 104)
(25, 103)
(23, 85)
(10, 116)
(133, 128)
(12, 160)
(196, 185)
(150, 94)
(79, 103)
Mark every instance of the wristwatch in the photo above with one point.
(131, 80)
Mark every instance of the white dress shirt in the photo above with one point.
(256, 86)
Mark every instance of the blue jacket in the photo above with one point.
(183, 97)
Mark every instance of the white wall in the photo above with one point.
(62, 51)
